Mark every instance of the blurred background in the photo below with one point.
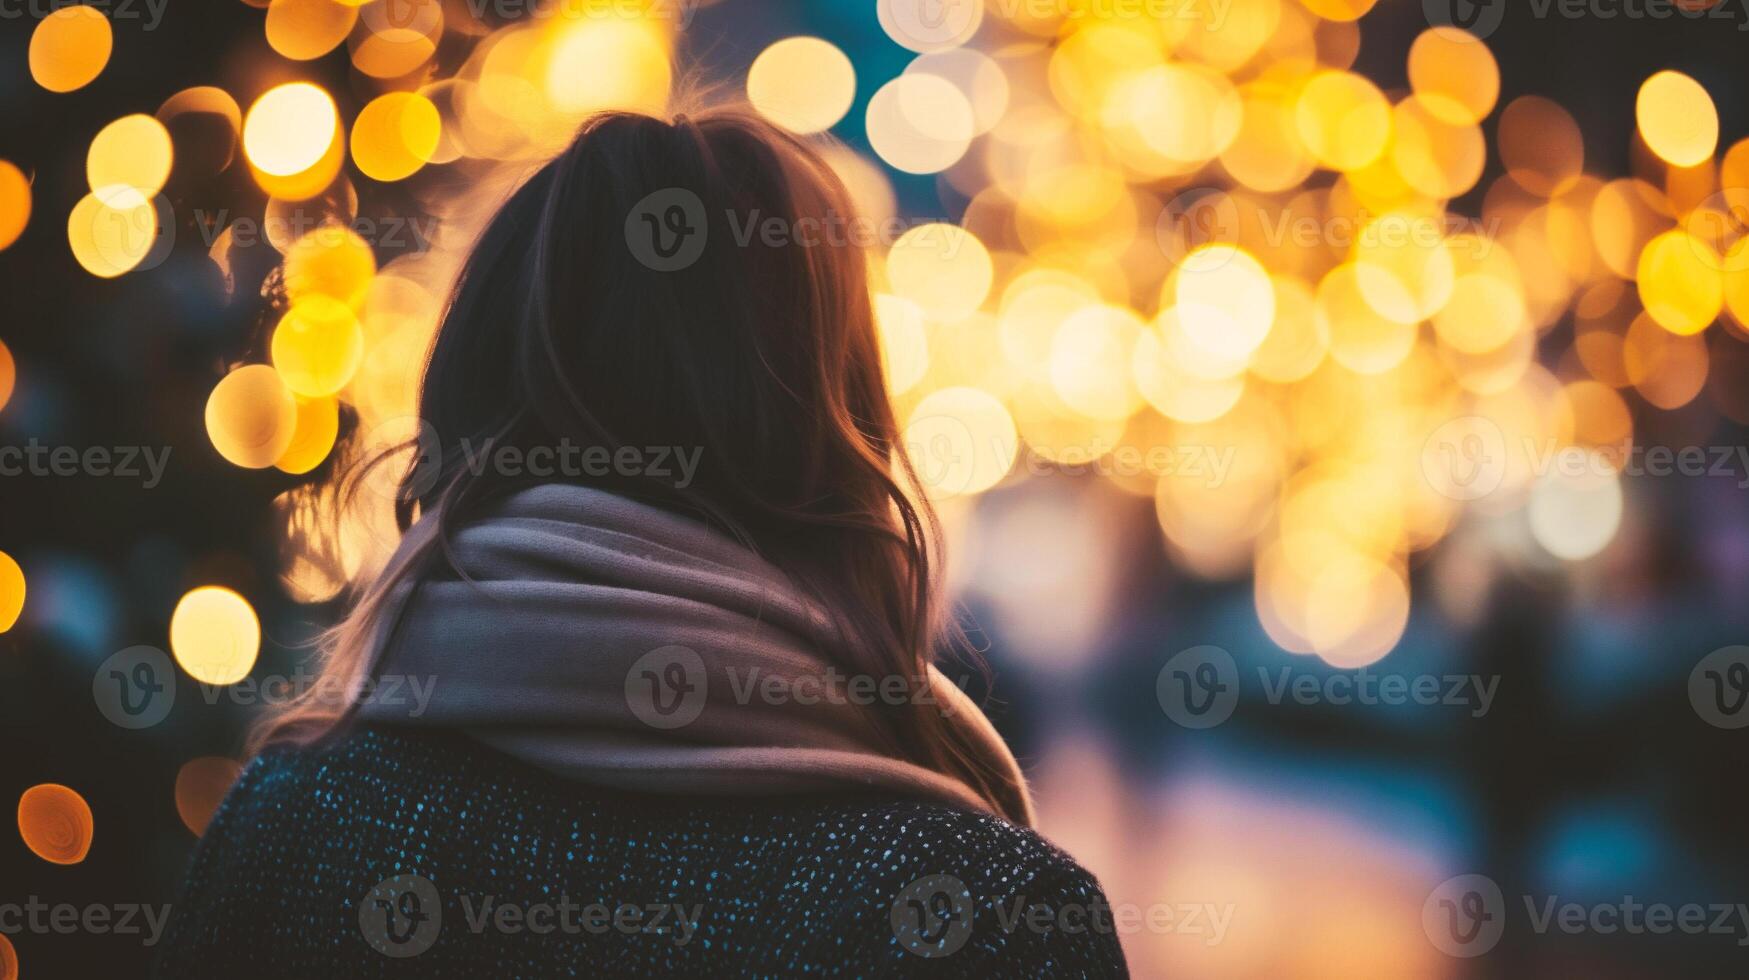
(1337, 416)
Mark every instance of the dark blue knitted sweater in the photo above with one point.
(395, 854)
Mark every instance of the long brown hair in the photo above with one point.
(760, 351)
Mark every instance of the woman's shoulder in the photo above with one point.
(834, 884)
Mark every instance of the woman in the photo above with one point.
(655, 719)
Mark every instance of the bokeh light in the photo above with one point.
(318, 423)
(70, 47)
(201, 785)
(317, 347)
(290, 128)
(112, 231)
(132, 152)
(55, 823)
(214, 635)
(608, 63)
(252, 417)
(12, 589)
(942, 268)
(961, 440)
(804, 84)
(920, 123)
(1677, 118)
(1454, 74)
(14, 204)
(305, 29)
(331, 261)
(394, 135)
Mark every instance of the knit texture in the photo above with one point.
(401, 854)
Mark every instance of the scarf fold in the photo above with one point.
(620, 644)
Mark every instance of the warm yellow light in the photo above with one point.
(1360, 339)
(1625, 215)
(69, 48)
(394, 135)
(1225, 300)
(1340, 11)
(112, 231)
(11, 591)
(942, 268)
(802, 83)
(215, 635)
(14, 205)
(1680, 282)
(1435, 157)
(290, 128)
(1454, 74)
(920, 123)
(1403, 267)
(395, 39)
(1296, 342)
(1343, 120)
(320, 180)
(331, 261)
(1187, 114)
(1677, 119)
(251, 417)
(1266, 154)
(305, 29)
(318, 423)
(1090, 368)
(609, 63)
(134, 151)
(960, 441)
(1484, 312)
(904, 341)
(55, 822)
(8, 374)
(1182, 380)
(317, 347)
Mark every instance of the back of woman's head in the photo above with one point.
(650, 287)
(694, 285)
